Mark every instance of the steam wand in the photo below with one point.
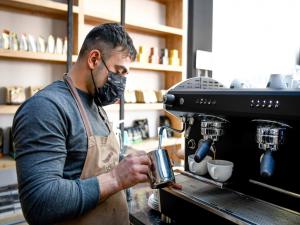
(160, 133)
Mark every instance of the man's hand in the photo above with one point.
(133, 169)
(176, 186)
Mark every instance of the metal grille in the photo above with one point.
(245, 208)
(209, 83)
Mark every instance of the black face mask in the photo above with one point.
(112, 90)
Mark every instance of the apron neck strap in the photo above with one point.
(78, 101)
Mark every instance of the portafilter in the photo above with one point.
(269, 136)
(212, 127)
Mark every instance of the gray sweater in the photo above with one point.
(51, 147)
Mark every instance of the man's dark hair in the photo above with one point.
(107, 37)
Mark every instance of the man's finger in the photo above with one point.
(176, 186)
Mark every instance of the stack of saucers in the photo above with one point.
(153, 202)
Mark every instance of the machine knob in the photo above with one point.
(169, 99)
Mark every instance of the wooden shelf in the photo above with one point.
(156, 67)
(8, 109)
(45, 6)
(157, 29)
(11, 109)
(35, 56)
(152, 143)
(162, 1)
(55, 58)
(7, 162)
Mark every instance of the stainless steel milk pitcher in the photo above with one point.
(161, 172)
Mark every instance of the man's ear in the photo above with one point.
(94, 58)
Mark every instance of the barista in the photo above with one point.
(67, 155)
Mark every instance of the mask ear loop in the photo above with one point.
(96, 90)
(99, 100)
(105, 65)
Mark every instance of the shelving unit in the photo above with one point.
(32, 56)
(155, 67)
(55, 58)
(157, 29)
(49, 7)
(173, 31)
(39, 5)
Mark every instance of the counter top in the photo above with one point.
(139, 211)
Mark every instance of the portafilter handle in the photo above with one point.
(267, 164)
(202, 150)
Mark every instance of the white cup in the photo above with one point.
(220, 170)
(296, 84)
(237, 84)
(276, 81)
(289, 80)
(198, 168)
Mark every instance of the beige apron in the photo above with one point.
(102, 156)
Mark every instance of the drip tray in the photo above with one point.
(234, 206)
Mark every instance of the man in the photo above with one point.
(67, 154)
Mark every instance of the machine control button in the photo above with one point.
(209, 102)
(257, 104)
(213, 102)
(181, 101)
(270, 105)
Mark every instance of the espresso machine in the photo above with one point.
(258, 130)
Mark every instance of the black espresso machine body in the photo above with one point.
(259, 123)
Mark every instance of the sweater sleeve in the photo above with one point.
(39, 133)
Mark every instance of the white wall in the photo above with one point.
(254, 38)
